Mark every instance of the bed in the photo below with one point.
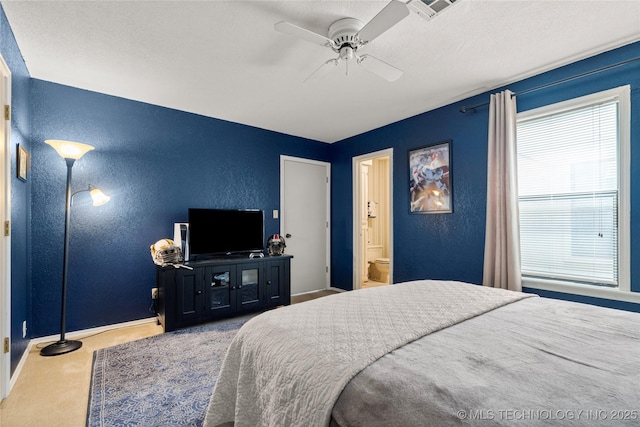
(431, 353)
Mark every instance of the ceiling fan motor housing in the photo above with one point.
(344, 32)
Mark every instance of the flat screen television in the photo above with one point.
(216, 232)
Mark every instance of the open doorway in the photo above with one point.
(373, 219)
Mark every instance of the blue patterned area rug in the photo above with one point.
(164, 380)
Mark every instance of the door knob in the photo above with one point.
(288, 236)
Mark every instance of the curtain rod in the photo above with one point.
(466, 109)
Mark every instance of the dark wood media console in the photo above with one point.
(218, 288)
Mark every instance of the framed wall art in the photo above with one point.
(23, 163)
(430, 187)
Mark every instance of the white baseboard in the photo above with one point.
(331, 288)
(71, 335)
(92, 331)
(16, 373)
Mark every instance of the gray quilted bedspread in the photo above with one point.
(537, 362)
(287, 367)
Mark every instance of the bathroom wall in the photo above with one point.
(379, 198)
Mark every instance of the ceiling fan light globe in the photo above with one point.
(346, 53)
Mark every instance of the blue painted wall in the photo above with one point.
(155, 163)
(451, 246)
(20, 192)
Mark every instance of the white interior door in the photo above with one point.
(5, 236)
(304, 221)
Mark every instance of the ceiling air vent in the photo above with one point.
(429, 8)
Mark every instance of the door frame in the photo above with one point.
(5, 245)
(327, 167)
(358, 256)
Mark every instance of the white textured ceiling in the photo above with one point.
(223, 59)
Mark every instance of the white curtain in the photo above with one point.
(502, 241)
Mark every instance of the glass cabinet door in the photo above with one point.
(220, 296)
(250, 289)
(250, 286)
(220, 289)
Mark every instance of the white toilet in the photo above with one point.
(379, 270)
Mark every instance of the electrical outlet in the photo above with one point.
(154, 293)
(24, 329)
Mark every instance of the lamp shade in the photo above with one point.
(69, 149)
(99, 198)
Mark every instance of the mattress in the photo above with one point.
(534, 362)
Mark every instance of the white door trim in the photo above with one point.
(327, 166)
(358, 256)
(5, 246)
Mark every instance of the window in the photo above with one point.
(573, 169)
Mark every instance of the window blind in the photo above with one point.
(568, 194)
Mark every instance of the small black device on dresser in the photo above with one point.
(225, 272)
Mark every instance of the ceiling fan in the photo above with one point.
(347, 36)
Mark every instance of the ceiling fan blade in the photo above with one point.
(379, 67)
(310, 36)
(323, 70)
(392, 13)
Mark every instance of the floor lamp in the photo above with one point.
(70, 152)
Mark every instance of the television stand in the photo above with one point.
(221, 287)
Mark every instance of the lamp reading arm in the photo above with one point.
(99, 198)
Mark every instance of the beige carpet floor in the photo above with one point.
(54, 391)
